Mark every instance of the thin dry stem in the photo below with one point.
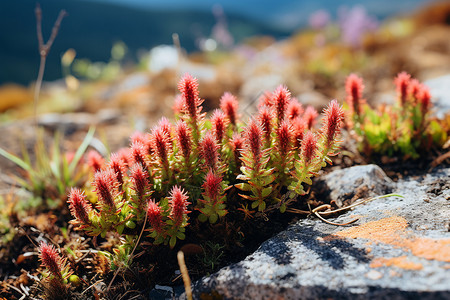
(185, 275)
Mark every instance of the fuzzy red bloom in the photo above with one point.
(414, 89)
(178, 204)
(309, 147)
(294, 109)
(299, 126)
(178, 105)
(139, 177)
(229, 105)
(124, 155)
(354, 88)
(265, 117)
(333, 116)
(284, 138)
(424, 98)
(50, 259)
(165, 126)
(161, 144)
(183, 138)
(219, 124)
(138, 136)
(188, 87)
(281, 98)
(117, 164)
(265, 100)
(237, 143)
(95, 160)
(106, 187)
(154, 216)
(138, 153)
(78, 205)
(402, 82)
(209, 151)
(253, 138)
(212, 185)
(310, 116)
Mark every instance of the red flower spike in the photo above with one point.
(333, 116)
(237, 143)
(138, 136)
(212, 185)
(178, 105)
(284, 138)
(298, 126)
(117, 164)
(78, 205)
(209, 151)
(138, 153)
(252, 138)
(165, 126)
(310, 116)
(188, 87)
(106, 187)
(50, 259)
(154, 216)
(265, 100)
(414, 89)
(183, 138)
(178, 203)
(402, 82)
(219, 124)
(139, 177)
(265, 117)
(229, 105)
(294, 109)
(161, 144)
(424, 98)
(124, 155)
(354, 88)
(309, 147)
(281, 99)
(95, 160)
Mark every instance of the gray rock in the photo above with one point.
(399, 249)
(359, 181)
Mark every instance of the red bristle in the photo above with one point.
(79, 206)
(124, 156)
(178, 105)
(212, 185)
(209, 150)
(299, 126)
(237, 143)
(161, 144)
(265, 100)
(178, 204)
(117, 164)
(154, 216)
(265, 117)
(333, 117)
(424, 97)
(50, 259)
(295, 109)
(188, 87)
(95, 160)
(414, 89)
(138, 153)
(281, 98)
(402, 82)
(139, 177)
(354, 88)
(106, 187)
(309, 146)
(310, 116)
(137, 136)
(183, 138)
(253, 138)
(219, 124)
(229, 105)
(284, 138)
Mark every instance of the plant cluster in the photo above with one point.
(405, 129)
(183, 172)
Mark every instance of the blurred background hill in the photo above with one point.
(92, 27)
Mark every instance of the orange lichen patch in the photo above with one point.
(393, 231)
(400, 262)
